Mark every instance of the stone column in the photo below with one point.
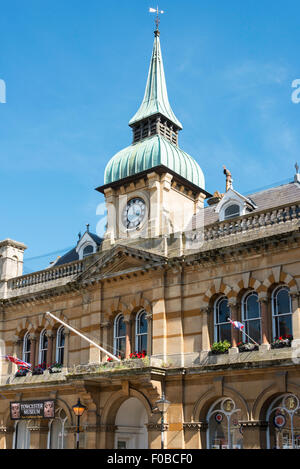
(264, 323)
(296, 318)
(254, 434)
(106, 342)
(234, 317)
(33, 350)
(12, 368)
(66, 363)
(49, 359)
(149, 335)
(205, 314)
(128, 336)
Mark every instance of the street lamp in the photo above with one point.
(163, 406)
(78, 410)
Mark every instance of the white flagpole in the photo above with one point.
(231, 322)
(84, 337)
(250, 338)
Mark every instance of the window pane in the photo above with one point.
(88, 250)
(142, 343)
(143, 326)
(284, 325)
(253, 330)
(232, 211)
(62, 338)
(224, 332)
(121, 346)
(121, 327)
(283, 302)
(252, 307)
(223, 311)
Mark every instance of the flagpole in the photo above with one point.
(232, 323)
(84, 337)
(250, 338)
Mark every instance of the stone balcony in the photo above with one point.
(191, 363)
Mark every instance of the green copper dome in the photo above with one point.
(151, 152)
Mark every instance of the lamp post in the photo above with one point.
(163, 406)
(78, 410)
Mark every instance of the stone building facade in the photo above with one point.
(168, 274)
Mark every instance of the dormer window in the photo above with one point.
(88, 250)
(232, 211)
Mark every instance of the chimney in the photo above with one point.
(11, 262)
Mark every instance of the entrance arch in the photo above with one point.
(131, 421)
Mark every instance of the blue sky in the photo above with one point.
(75, 74)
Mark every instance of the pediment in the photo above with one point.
(121, 260)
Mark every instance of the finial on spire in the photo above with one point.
(157, 20)
(229, 179)
(88, 227)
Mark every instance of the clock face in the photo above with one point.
(134, 213)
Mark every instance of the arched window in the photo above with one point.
(119, 336)
(232, 211)
(43, 348)
(21, 435)
(26, 348)
(222, 326)
(283, 417)
(60, 345)
(251, 317)
(224, 430)
(88, 250)
(282, 313)
(141, 332)
(57, 434)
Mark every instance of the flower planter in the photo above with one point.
(281, 343)
(218, 352)
(37, 371)
(247, 348)
(55, 369)
(219, 348)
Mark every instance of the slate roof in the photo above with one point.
(72, 255)
(269, 198)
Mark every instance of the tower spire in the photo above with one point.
(156, 101)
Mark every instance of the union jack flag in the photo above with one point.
(17, 361)
(238, 325)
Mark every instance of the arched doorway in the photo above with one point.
(131, 421)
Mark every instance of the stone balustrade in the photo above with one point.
(252, 221)
(260, 224)
(48, 275)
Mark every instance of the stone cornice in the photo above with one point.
(12, 243)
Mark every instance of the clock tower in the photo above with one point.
(152, 188)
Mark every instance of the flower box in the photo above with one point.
(247, 347)
(55, 368)
(37, 371)
(282, 341)
(219, 348)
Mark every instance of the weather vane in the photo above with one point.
(158, 12)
